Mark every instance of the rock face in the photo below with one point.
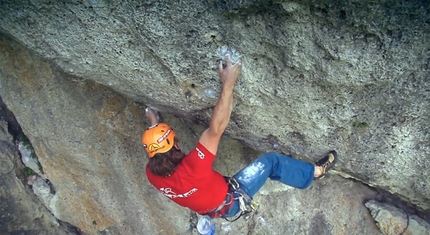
(393, 221)
(318, 75)
(92, 169)
(351, 76)
(21, 212)
(87, 139)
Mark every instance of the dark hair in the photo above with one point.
(164, 164)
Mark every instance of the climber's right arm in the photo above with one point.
(221, 115)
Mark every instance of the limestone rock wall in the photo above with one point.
(92, 169)
(318, 75)
(21, 212)
(87, 139)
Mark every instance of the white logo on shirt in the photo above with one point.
(200, 154)
(168, 192)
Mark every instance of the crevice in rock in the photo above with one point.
(32, 174)
(397, 201)
(6, 115)
(386, 197)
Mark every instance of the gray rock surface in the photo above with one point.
(392, 220)
(350, 75)
(20, 210)
(318, 75)
(87, 138)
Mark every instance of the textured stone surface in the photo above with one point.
(87, 138)
(393, 221)
(349, 75)
(71, 125)
(389, 219)
(20, 210)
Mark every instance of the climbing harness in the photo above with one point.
(246, 203)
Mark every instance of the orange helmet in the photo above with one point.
(158, 139)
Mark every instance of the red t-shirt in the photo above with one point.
(194, 184)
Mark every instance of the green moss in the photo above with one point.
(26, 143)
(40, 167)
(360, 125)
(28, 171)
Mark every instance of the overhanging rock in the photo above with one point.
(351, 76)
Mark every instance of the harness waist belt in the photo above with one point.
(225, 205)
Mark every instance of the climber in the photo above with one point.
(190, 181)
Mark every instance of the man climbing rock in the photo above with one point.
(190, 181)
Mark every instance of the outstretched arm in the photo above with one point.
(222, 111)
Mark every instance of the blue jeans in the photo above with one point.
(275, 166)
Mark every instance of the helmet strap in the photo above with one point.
(177, 147)
(156, 124)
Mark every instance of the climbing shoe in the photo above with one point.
(326, 163)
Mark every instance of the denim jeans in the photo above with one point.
(275, 166)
